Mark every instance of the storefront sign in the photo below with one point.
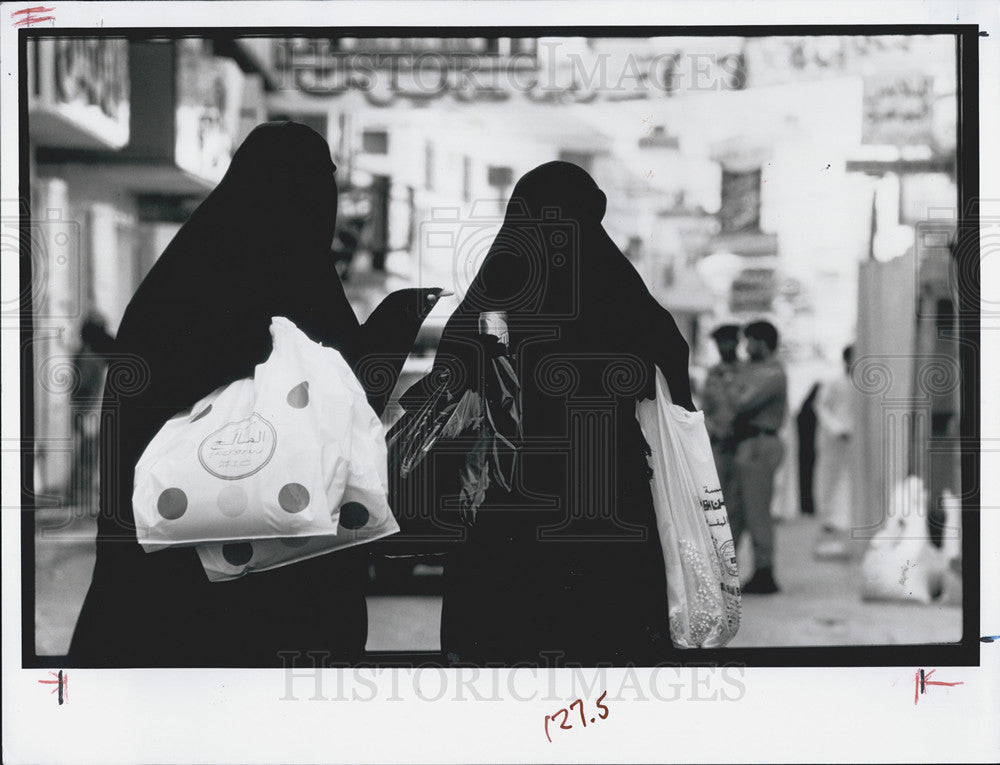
(385, 69)
(740, 208)
(548, 70)
(753, 291)
(209, 96)
(898, 109)
(85, 82)
(776, 60)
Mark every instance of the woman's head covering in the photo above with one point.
(279, 194)
(558, 186)
(262, 233)
(286, 167)
(553, 267)
(258, 247)
(550, 241)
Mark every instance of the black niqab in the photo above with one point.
(553, 267)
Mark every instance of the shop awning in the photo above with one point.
(134, 176)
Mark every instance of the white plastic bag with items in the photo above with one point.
(703, 586)
(290, 456)
(900, 562)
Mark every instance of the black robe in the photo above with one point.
(257, 247)
(568, 564)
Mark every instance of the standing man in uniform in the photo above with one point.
(759, 403)
(717, 405)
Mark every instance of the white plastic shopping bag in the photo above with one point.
(364, 513)
(900, 562)
(360, 522)
(703, 586)
(281, 456)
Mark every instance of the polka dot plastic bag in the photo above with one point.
(703, 586)
(285, 465)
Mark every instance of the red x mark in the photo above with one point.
(921, 682)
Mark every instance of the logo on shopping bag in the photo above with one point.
(708, 504)
(238, 449)
(728, 555)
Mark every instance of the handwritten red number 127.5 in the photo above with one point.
(564, 725)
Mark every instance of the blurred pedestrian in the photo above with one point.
(760, 401)
(806, 427)
(569, 561)
(346, 242)
(717, 404)
(89, 363)
(837, 408)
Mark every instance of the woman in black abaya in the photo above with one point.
(257, 247)
(568, 564)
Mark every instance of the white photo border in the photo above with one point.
(779, 714)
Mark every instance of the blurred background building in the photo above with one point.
(807, 180)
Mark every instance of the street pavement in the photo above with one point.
(819, 603)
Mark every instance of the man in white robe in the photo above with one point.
(837, 408)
